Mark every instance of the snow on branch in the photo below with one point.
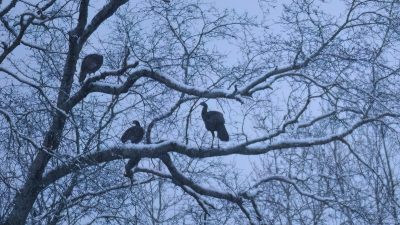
(254, 189)
(107, 11)
(125, 151)
(184, 181)
(26, 19)
(90, 87)
(181, 179)
(106, 74)
(187, 89)
(250, 88)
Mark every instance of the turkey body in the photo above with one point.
(214, 121)
(90, 64)
(134, 134)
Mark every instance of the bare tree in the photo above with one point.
(309, 98)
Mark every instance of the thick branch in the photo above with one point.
(106, 12)
(181, 179)
(156, 150)
(190, 90)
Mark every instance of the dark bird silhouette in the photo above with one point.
(90, 64)
(135, 135)
(214, 121)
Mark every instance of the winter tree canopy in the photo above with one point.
(308, 90)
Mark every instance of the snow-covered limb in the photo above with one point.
(19, 78)
(196, 197)
(24, 24)
(107, 11)
(184, 181)
(90, 87)
(290, 74)
(256, 210)
(154, 172)
(327, 115)
(307, 142)
(187, 89)
(181, 179)
(106, 74)
(282, 128)
(247, 89)
(313, 121)
(287, 70)
(253, 190)
(126, 151)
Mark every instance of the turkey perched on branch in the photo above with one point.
(214, 121)
(134, 134)
(90, 64)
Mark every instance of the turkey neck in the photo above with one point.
(204, 111)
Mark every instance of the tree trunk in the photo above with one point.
(26, 196)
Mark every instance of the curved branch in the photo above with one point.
(294, 184)
(157, 150)
(182, 180)
(106, 12)
(90, 87)
(187, 89)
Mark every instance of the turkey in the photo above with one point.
(90, 64)
(214, 121)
